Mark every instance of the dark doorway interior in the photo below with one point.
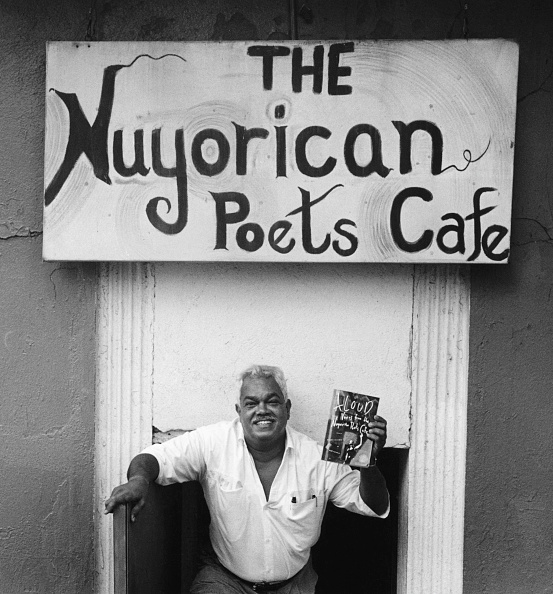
(160, 552)
(358, 555)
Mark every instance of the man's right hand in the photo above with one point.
(134, 491)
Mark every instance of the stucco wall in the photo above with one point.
(509, 499)
(47, 347)
(47, 312)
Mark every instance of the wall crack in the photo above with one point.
(545, 229)
(21, 233)
(540, 88)
(57, 269)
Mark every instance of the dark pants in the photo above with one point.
(213, 578)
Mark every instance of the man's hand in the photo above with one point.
(143, 470)
(134, 491)
(378, 434)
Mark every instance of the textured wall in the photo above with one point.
(47, 313)
(46, 337)
(509, 499)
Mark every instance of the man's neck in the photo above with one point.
(264, 455)
(267, 462)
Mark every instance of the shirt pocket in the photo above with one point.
(229, 505)
(305, 513)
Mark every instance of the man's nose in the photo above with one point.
(262, 407)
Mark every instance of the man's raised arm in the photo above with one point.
(143, 469)
(373, 485)
(373, 489)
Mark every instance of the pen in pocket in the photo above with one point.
(295, 500)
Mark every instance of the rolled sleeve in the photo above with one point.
(180, 459)
(345, 492)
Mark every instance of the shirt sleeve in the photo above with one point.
(345, 491)
(180, 459)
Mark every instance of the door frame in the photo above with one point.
(432, 498)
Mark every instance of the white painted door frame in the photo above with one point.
(430, 557)
(432, 510)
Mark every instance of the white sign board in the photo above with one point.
(387, 151)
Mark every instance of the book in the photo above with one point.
(347, 433)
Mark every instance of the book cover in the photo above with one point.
(347, 434)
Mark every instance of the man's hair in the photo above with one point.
(267, 371)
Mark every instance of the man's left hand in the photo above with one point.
(378, 433)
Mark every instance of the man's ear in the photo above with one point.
(237, 408)
(288, 407)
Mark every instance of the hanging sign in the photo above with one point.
(384, 151)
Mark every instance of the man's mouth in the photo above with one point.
(264, 422)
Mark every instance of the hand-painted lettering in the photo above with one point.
(487, 240)
(250, 236)
(299, 69)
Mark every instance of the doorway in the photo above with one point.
(429, 549)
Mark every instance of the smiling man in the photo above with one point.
(266, 488)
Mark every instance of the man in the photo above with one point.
(266, 488)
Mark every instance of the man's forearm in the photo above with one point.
(143, 469)
(145, 466)
(373, 489)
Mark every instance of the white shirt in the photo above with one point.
(255, 538)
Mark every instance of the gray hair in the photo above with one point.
(267, 371)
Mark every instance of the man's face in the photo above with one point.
(263, 412)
